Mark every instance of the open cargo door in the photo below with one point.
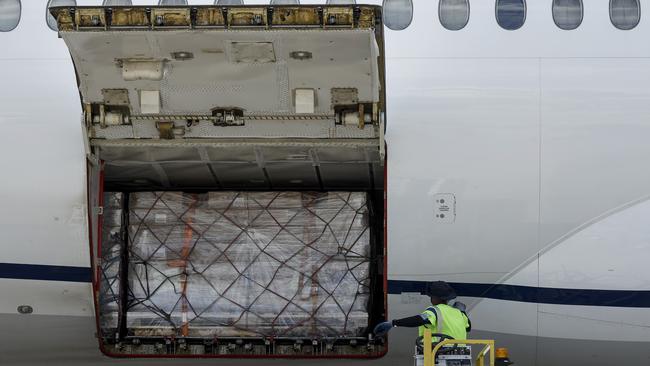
(236, 177)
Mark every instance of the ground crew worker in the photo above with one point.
(440, 317)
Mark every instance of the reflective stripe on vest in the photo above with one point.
(448, 320)
(439, 317)
(439, 321)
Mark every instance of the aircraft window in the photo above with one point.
(453, 14)
(625, 14)
(567, 14)
(511, 14)
(10, 11)
(51, 22)
(229, 2)
(398, 14)
(116, 3)
(172, 2)
(285, 2)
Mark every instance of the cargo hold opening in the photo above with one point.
(240, 267)
(236, 178)
(246, 272)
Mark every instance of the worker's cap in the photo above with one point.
(441, 290)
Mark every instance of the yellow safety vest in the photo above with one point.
(447, 320)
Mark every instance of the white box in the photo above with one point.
(305, 100)
(149, 101)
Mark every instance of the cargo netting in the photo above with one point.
(241, 264)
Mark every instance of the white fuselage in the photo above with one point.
(540, 135)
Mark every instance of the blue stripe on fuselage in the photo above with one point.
(545, 295)
(45, 272)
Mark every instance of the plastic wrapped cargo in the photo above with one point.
(248, 264)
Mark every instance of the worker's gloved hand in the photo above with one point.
(460, 306)
(382, 329)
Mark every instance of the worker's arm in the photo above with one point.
(411, 322)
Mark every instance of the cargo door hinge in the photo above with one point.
(165, 130)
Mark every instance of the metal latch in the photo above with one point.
(228, 116)
(166, 130)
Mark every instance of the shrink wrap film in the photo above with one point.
(248, 264)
